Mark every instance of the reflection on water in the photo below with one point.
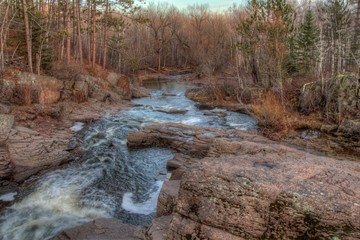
(110, 180)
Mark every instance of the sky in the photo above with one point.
(215, 5)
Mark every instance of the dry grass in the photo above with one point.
(275, 117)
(271, 113)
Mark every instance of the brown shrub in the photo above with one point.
(273, 116)
(270, 113)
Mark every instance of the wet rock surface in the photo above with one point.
(102, 229)
(242, 186)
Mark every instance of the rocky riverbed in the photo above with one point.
(224, 183)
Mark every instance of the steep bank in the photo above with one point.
(38, 112)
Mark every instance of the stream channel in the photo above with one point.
(110, 181)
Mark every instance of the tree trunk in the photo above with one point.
(89, 7)
(78, 7)
(105, 33)
(94, 33)
(68, 32)
(28, 38)
(3, 35)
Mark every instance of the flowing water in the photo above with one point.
(110, 180)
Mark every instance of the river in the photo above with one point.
(110, 180)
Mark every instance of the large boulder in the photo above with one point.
(30, 152)
(311, 98)
(7, 90)
(102, 229)
(339, 95)
(81, 91)
(113, 78)
(246, 187)
(43, 89)
(350, 128)
(139, 92)
(6, 124)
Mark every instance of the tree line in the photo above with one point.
(265, 42)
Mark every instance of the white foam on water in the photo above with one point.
(191, 121)
(9, 197)
(146, 207)
(77, 126)
(55, 205)
(240, 126)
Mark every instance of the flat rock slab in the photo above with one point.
(102, 229)
(277, 193)
(242, 186)
(193, 141)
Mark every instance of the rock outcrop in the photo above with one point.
(241, 186)
(43, 89)
(102, 229)
(29, 152)
(6, 123)
(340, 95)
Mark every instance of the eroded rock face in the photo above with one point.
(29, 152)
(44, 89)
(102, 229)
(6, 123)
(192, 141)
(340, 94)
(168, 197)
(245, 187)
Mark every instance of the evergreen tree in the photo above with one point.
(306, 44)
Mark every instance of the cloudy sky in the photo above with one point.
(214, 4)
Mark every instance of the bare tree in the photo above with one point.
(28, 38)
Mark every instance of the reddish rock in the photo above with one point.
(43, 89)
(102, 229)
(158, 228)
(243, 186)
(168, 197)
(123, 84)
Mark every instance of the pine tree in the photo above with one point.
(306, 44)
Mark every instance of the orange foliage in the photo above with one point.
(273, 116)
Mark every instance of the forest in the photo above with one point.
(275, 45)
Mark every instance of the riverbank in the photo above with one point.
(307, 130)
(38, 113)
(221, 157)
